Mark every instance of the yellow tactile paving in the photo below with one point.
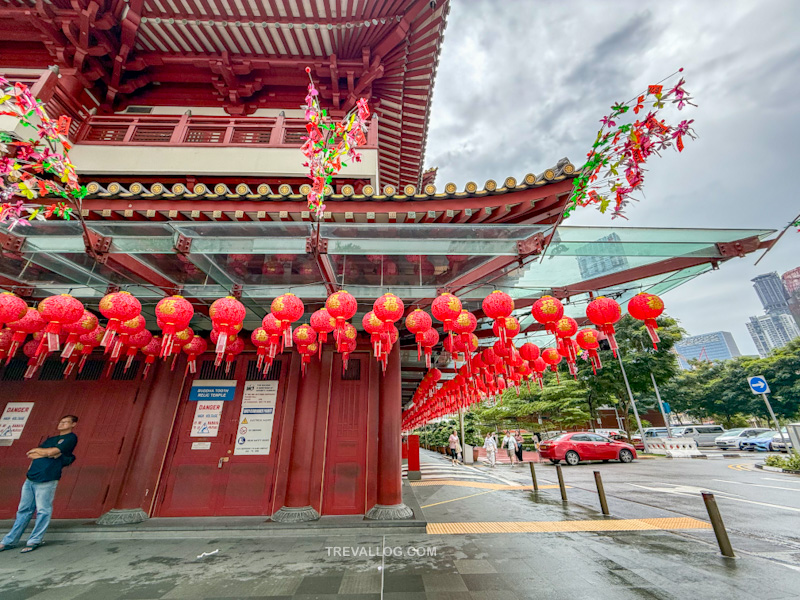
(480, 485)
(572, 526)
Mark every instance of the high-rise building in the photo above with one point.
(717, 345)
(602, 257)
(772, 331)
(772, 293)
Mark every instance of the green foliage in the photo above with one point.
(719, 390)
(791, 462)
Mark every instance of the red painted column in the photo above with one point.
(297, 504)
(390, 498)
(413, 458)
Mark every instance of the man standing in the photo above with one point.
(40, 484)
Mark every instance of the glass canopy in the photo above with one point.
(414, 261)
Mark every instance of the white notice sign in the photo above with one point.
(206, 419)
(14, 418)
(257, 417)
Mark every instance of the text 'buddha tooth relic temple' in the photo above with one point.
(237, 338)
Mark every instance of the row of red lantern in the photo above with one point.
(490, 371)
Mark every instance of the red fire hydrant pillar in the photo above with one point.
(390, 497)
(414, 473)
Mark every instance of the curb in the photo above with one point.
(777, 469)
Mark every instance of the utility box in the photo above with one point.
(466, 454)
(794, 435)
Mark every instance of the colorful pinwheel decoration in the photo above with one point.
(34, 168)
(614, 169)
(328, 142)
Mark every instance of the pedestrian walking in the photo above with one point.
(40, 485)
(490, 445)
(510, 444)
(455, 447)
(519, 439)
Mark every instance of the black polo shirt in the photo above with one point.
(49, 469)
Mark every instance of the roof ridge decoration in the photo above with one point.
(564, 169)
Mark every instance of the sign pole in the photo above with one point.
(661, 406)
(630, 395)
(775, 420)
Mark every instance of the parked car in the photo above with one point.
(778, 441)
(733, 438)
(761, 442)
(655, 432)
(572, 448)
(704, 435)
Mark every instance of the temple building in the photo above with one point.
(187, 127)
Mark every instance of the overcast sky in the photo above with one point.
(522, 84)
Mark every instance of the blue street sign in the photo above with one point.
(205, 390)
(667, 407)
(758, 384)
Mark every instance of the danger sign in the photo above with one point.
(14, 418)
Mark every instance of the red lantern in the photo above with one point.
(346, 336)
(348, 346)
(323, 323)
(90, 341)
(418, 322)
(227, 315)
(389, 308)
(287, 309)
(35, 357)
(86, 324)
(118, 307)
(374, 327)
(196, 346)
(306, 351)
(539, 367)
(235, 348)
(604, 312)
(647, 307)
(174, 312)
(274, 330)
(151, 351)
(529, 351)
(304, 335)
(12, 308)
(74, 357)
(429, 339)
(547, 311)
(552, 358)
(499, 306)
(58, 311)
(29, 324)
(260, 339)
(463, 326)
(587, 339)
(446, 308)
(566, 327)
(136, 342)
(341, 306)
(125, 330)
(6, 336)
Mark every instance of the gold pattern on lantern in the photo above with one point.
(390, 302)
(655, 303)
(277, 304)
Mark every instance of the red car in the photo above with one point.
(583, 445)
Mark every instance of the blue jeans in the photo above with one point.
(38, 497)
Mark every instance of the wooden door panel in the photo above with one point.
(344, 486)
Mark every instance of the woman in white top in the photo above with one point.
(510, 444)
(491, 448)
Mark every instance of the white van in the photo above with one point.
(704, 435)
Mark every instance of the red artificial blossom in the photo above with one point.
(614, 169)
(327, 143)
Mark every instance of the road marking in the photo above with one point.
(773, 487)
(787, 480)
(480, 485)
(686, 490)
(740, 467)
(722, 495)
(461, 498)
(576, 526)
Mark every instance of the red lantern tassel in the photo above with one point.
(651, 329)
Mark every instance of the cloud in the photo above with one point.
(521, 84)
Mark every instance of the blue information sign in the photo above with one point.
(205, 390)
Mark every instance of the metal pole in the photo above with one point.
(661, 405)
(719, 527)
(561, 483)
(601, 492)
(533, 476)
(630, 395)
(463, 438)
(775, 419)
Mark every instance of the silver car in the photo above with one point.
(733, 437)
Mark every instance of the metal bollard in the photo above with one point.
(719, 527)
(601, 492)
(561, 483)
(533, 476)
